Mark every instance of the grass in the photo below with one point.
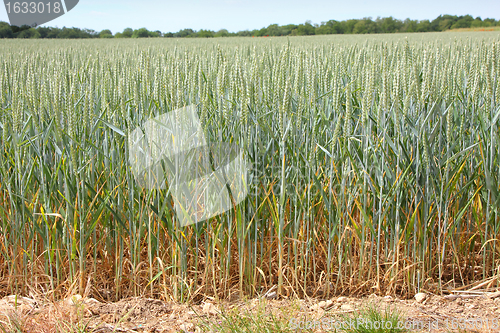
(248, 323)
(373, 320)
(290, 319)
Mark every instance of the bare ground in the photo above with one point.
(465, 312)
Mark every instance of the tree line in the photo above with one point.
(354, 26)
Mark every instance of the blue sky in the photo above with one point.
(236, 15)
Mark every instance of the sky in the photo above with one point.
(236, 15)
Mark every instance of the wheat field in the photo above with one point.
(374, 165)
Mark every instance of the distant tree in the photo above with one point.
(43, 31)
(54, 33)
(29, 33)
(373, 27)
(444, 25)
(244, 33)
(274, 30)
(184, 33)
(443, 22)
(262, 32)
(424, 26)
(221, 33)
(477, 23)
(389, 24)
(127, 33)
(16, 30)
(205, 33)
(463, 22)
(362, 26)
(306, 29)
(489, 22)
(409, 25)
(366, 26)
(334, 27)
(70, 33)
(287, 29)
(5, 30)
(348, 26)
(140, 33)
(89, 33)
(324, 29)
(106, 34)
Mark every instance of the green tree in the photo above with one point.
(206, 34)
(287, 29)
(127, 32)
(262, 32)
(336, 27)
(463, 22)
(48, 32)
(389, 24)
(348, 26)
(274, 30)
(244, 33)
(324, 29)
(140, 33)
(443, 22)
(409, 25)
(445, 25)
(5, 30)
(360, 27)
(184, 33)
(43, 31)
(306, 29)
(366, 26)
(477, 23)
(69, 33)
(489, 22)
(106, 34)
(424, 26)
(363, 26)
(29, 33)
(221, 33)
